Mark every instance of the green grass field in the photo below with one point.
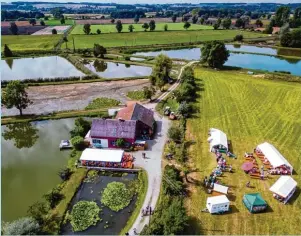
(250, 111)
(30, 42)
(53, 22)
(138, 27)
(150, 38)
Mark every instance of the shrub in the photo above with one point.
(102, 103)
(98, 31)
(175, 133)
(78, 142)
(22, 226)
(65, 174)
(81, 128)
(7, 52)
(83, 215)
(53, 197)
(239, 37)
(116, 196)
(120, 142)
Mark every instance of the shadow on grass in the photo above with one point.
(295, 196)
(194, 227)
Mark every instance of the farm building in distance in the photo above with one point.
(143, 116)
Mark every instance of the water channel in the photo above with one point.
(249, 61)
(30, 163)
(38, 67)
(113, 70)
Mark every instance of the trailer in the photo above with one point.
(218, 204)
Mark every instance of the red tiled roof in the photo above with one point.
(137, 112)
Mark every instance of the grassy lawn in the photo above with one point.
(150, 38)
(111, 28)
(168, 102)
(30, 42)
(250, 111)
(136, 95)
(99, 103)
(53, 22)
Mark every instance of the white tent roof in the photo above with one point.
(273, 155)
(220, 188)
(283, 186)
(217, 137)
(107, 155)
(217, 200)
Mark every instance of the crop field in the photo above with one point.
(48, 30)
(30, 42)
(152, 38)
(250, 110)
(111, 28)
(52, 22)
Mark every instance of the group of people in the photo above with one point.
(147, 211)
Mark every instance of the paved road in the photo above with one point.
(152, 163)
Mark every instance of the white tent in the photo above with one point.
(218, 204)
(273, 155)
(105, 155)
(285, 186)
(217, 137)
(220, 188)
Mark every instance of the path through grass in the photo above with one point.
(250, 111)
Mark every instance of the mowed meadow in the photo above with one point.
(111, 28)
(250, 110)
(152, 38)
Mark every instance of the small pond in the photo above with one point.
(38, 67)
(30, 163)
(113, 70)
(250, 61)
(252, 49)
(91, 191)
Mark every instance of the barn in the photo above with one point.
(104, 133)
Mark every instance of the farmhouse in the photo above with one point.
(273, 157)
(284, 188)
(217, 140)
(104, 133)
(143, 116)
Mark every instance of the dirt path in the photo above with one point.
(75, 96)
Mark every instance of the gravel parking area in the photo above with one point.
(75, 96)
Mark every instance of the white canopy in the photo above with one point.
(273, 155)
(222, 199)
(106, 155)
(217, 137)
(284, 186)
(220, 188)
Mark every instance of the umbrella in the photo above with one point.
(247, 166)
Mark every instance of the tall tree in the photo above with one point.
(136, 19)
(226, 23)
(13, 28)
(215, 54)
(54, 31)
(15, 95)
(165, 27)
(112, 20)
(24, 135)
(119, 26)
(62, 20)
(282, 15)
(194, 19)
(284, 29)
(239, 23)
(38, 211)
(292, 39)
(87, 29)
(202, 20)
(152, 25)
(42, 23)
(22, 226)
(268, 29)
(7, 52)
(162, 68)
(99, 50)
(186, 25)
(258, 23)
(174, 18)
(145, 26)
(33, 22)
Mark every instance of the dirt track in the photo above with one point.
(74, 96)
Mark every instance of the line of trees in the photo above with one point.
(20, 15)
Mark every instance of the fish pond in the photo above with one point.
(111, 222)
(38, 67)
(30, 163)
(249, 61)
(111, 70)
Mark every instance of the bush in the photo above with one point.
(239, 37)
(65, 174)
(54, 197)
(116, 196)
(7, 52)
(120, 142)
(175, 133)
(83, 215)
(22, 226)
(78, 142)
(184, 109)
(81, 128)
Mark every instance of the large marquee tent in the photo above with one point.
(284, 187)
(217, 140)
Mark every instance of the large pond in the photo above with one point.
(252, 49)
(91, 191)
(250, 61)
(112, 70)
(30, 161)
(39, 67)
